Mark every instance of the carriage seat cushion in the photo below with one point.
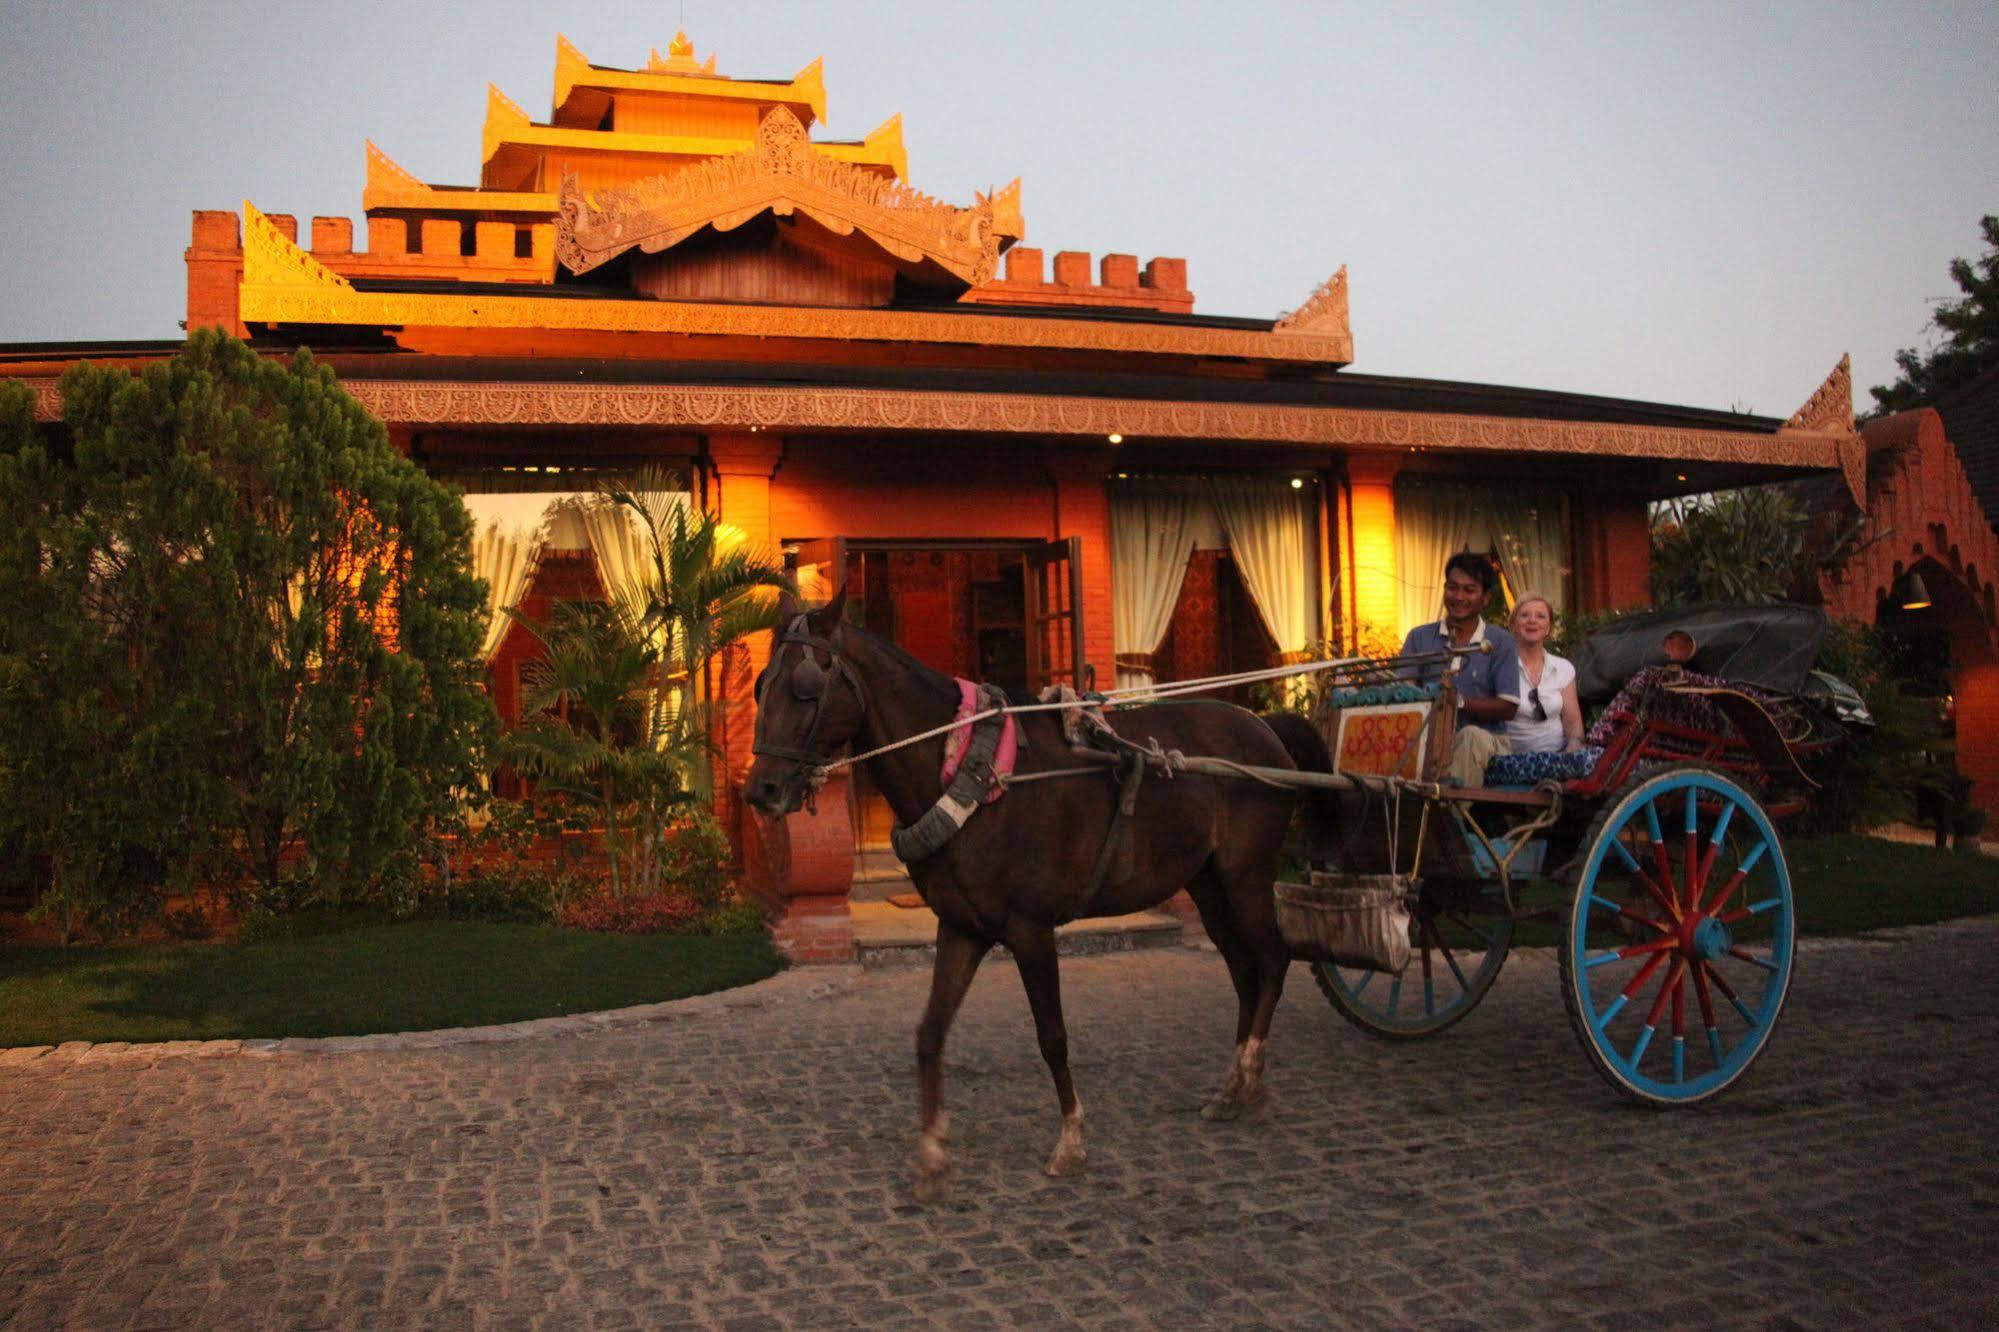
(1374, 696)
(1529, 769)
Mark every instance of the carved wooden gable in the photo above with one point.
(840, 213)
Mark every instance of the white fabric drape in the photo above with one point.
(1154, 522)
(1432, 523)
(1531, 534)
(1266, 520)
(623, 549)
(1526, 526)
(509, 533)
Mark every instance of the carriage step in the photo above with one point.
(890, 936)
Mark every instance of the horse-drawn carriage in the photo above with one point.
(1674, 899)
(1654, 854)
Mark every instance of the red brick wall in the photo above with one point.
(1921, 502)
(1613, 553)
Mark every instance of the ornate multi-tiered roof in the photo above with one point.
(710, 196)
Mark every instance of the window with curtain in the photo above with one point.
(1267, 522)
(1524, 528)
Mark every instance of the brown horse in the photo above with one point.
(1019, 867)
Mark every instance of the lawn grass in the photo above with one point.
(371, 978)
(1843, 885)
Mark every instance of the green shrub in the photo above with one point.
(735, 916)
(694, 859)
(526, 894)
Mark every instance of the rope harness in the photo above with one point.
(975, 780)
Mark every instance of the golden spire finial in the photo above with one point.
(680, 47)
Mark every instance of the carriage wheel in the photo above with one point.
(1456, 951)
(1682, 920)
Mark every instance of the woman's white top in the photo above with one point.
(1542, 737)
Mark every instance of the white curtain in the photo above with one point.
(1154, 521)
(1531, 534)
(509, 533)
(1526, 526)
(622, 547)
(1269, 537)
(1432, 523)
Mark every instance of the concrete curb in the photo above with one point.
(795, 985)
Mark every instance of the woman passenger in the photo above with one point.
(1550, 718)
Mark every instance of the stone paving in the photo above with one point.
(743, 1163)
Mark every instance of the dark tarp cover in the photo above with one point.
(1772, 647)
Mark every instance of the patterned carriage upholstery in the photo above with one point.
(1689, 709)
(1533, 769)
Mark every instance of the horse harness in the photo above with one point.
(974, 780)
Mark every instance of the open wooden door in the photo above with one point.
(821, 569)
(1055, 615)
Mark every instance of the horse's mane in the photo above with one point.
(896, 653)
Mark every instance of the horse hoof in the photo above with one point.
(1222, 1109)
(1067, 1161)
(933, 1187)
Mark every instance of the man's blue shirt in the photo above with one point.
(1494, 674)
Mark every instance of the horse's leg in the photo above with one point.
(1034, 953)
(1218, 918)
(958, 956)
(1252, 909)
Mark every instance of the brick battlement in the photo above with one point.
(1120, 284)
(398, 247)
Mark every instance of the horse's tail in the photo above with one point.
(1307, 748)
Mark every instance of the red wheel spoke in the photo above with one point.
(1721, 983)
(1649, 946)
(1679, 984)
(1637, 982)
(1743, 955)
(1666, 992)
(1652, 921)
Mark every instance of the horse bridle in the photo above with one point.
(811, 686)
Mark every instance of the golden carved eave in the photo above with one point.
(272, 261)
(782, 173)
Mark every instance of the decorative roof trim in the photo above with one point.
(273, 259)
(1831, 406)
(1324, 312)
(667, 406)
(782, 173)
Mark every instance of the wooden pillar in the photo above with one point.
(1083, 510)
(743, 465)
(1374, 603)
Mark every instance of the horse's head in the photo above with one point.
(810, 703)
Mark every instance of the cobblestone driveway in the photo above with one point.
(748, 1167)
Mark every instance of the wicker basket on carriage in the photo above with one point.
(1354, 920)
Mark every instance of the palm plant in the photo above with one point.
(702, 593)
(635, 748)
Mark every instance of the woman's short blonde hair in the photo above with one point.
(1526, 597)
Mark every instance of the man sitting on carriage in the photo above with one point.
(1488, 682)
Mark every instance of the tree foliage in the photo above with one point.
(236, 628)
(1744, 546)
(1967, 341)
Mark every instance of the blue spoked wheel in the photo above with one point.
(1458, 942)
(1678, 951)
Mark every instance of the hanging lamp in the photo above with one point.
(1909, 592)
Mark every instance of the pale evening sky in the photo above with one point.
(1692, 203)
